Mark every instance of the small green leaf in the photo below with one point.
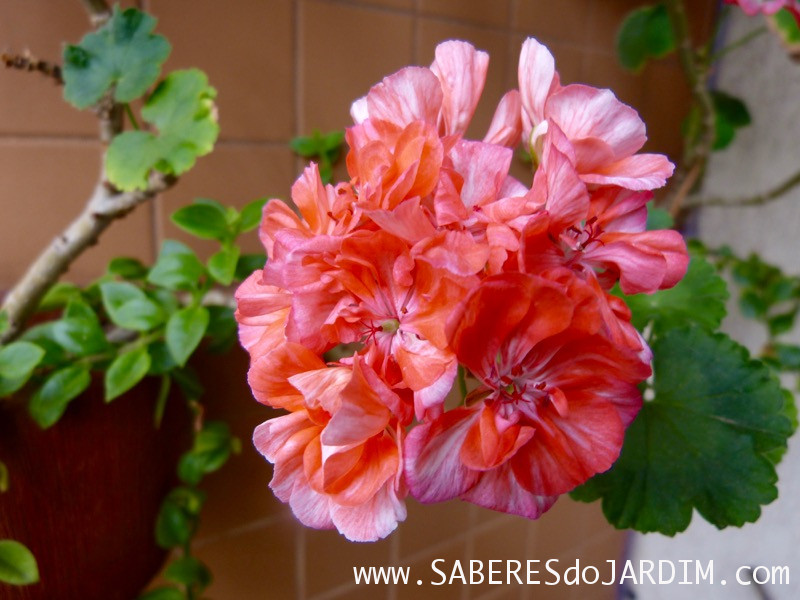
(3, 321)
(788, 355)
(79, 332)
(781, 323)
(161, 400)
(129, 307)
(203, 220)
(251, 215)
(730, 114)
(182, 109)
(189, 383)
(163, 593)
(249, 263)
(126, 371)
(123, 53)
(704, 442)
(211, 449)
(177, 267)
(188, 571)
(17, 564)
(699, 297)
(787, 27)
(17, 362)
(305, 146)
(185, 329)
(222, 329)
(658, 218)
(222, 265)
(127, 268)
(177, 518)
(50, 401)
(645, 33)
(59, 295)
(161, 360)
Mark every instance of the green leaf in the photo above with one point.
(161, 400)
(79, 332)
(17, 564)
(658, 218)
(698, 298)
(17, 362)
(249, 263)
(251, 215)
(645, 33)
(127, 268)
(177, 518)
(177, 267)
(123, 53)
(781, 323)
(212, 447)
(188, 571)
(222, 328)
(222, 265)
(50, 401)
(161, 360)
(189, 383)
(203, 220)
(787, 27)
(185, 329)
(730, 114)
(129, 307)
(788, 355)
(182, 109)
(306, 146)
(126, 371)
(163, 593)
(702, 442)
(59, 296)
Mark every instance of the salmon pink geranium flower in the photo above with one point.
(431, 257)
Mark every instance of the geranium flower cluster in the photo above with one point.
(432, 260)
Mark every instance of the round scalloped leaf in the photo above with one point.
(123, 53)
(699, 297)
(704, 442)
(182, 108)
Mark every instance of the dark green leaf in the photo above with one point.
(781, 323)
(702, 443)
(127, 268)
(203, 220)
(645, 33)
(59, 295)
(305, 146)
(182, 109)
(790, 412)
(126, 371)
(187, 380)
(788, 355)
(185, 329)
(3, 321)
(17, 564)
(249, 263)
(787, 27)
(17, 362)
(177, 518)
(698, 298)
(658, 218)
(188, 571)
(161, 360)
(222, 328)
(731, 114)
(211, 449)
(163, 593)
(177, 267)
(222, 265)
(752, 304)
(3, 477)
(251, 215)
(50, 401)
(123, 53)
(161, 400)
(129, 307)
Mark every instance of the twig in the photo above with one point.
(105, 206)
(764, 198)
(28, 62)
(696, 71)
(745, 39)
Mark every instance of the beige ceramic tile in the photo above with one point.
(253, 565)
(433, 31)
(45, 186)
(344, 51)
(564, 21)
(246, 48)
(330, 558)
(494, 14)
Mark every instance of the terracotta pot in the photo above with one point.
(85, 493)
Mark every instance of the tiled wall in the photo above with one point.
(282, 68)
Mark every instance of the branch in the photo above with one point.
(104, 207)
(27, 62)
(696, 71)
(768, 196)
